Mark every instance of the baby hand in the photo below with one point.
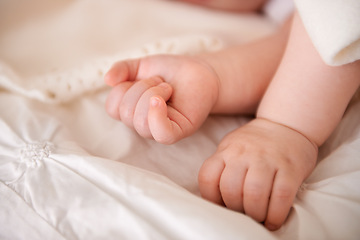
(162, 97)
(257, 170)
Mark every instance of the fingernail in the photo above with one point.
(164, 85)
(155, 101)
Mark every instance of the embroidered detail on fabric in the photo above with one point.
(34, 153)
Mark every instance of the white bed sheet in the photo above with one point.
(68, 171)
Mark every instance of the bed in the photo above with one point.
(68, 171)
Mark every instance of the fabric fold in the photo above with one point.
(333, 26)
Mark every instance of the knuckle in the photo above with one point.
(204, 178)
(254, 191)
(232, 198)
(126, 113)
(283, 192)
(141, 125)
(227, 191)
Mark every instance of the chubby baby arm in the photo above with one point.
(259, 167)
(162, 97)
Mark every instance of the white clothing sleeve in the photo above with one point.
(334, 28)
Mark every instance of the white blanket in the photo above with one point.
(68, 171)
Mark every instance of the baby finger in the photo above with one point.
(141, 125)
(282, 197)
(132, 96)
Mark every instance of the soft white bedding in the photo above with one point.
(68, 171)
